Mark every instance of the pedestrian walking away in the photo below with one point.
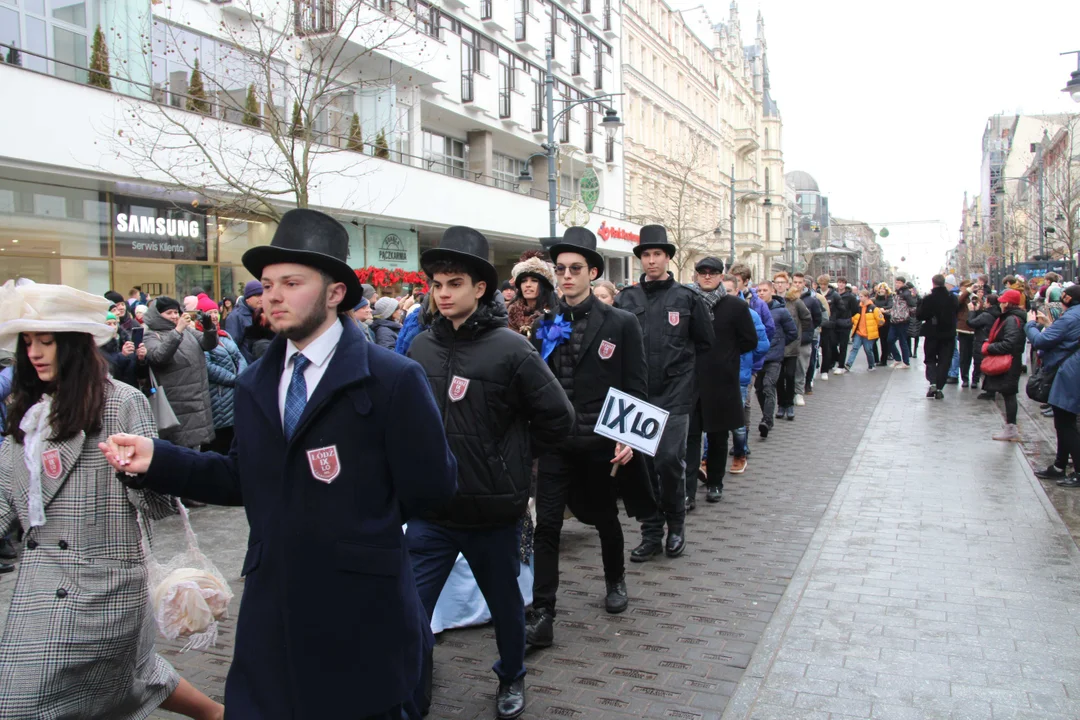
(494, 392)
(594, 347)
(937, 313)
(299, 412)
(676, 328)
(787, 333)
(83, 559)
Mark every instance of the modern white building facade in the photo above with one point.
(398, 119)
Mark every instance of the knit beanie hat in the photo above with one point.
(385, 307)
(114, 297)
(165, 303)
(111, 316)
(205, 304)
(191, 303)
(950, 280)
(369, 292)
(253, 288)
(140, 309)
(362, 304)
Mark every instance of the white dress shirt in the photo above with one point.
(319, 351)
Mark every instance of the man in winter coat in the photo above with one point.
(718, 410)
(804, 381)
(676, 327)
(844, 304)
(494, 392)
(748, 293)
(787, 333)
(805, 318)
(904, 304)
(937, 312)
(330, 625)
(785, 385)
(175, 353)
(604, 350)
(240, 318)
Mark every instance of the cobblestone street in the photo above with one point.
(859, 568)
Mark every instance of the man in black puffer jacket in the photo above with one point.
(494, 391)
(677, 327)
(937, 312)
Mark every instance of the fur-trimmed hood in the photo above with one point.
(536, 267)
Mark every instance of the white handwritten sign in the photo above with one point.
(631, 421)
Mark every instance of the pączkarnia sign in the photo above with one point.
(149, 229)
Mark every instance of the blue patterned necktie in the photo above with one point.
(296, 397)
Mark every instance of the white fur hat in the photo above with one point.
(534, 266)
(26, 306)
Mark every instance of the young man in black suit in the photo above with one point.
(603, 349)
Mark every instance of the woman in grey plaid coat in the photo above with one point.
(79, 638)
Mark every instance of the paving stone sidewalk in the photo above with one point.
(941, 582)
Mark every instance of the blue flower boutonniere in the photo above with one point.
(553, 333)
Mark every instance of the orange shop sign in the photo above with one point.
(607, 232)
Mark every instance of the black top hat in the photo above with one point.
(710, 263)
(309, 237)
(468, 246)
(582, 241)
(654, 236)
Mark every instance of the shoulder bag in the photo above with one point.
(163, 413)
(995, 364)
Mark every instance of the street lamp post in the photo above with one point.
(731, 216)
(611, 123)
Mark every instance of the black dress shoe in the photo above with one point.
(1051, 473)
(540, 628)
(6, 568)
(7, 550)
(930, 392)
(676, 543)
(617, 599)
(510, 700)
(763, 428)
(791, 412)
(647, 550)
(780, 412)
(952, 381)
(713, 493)
(938, 395)
(1073, 481)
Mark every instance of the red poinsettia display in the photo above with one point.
(384, 277)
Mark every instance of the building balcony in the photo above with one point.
(746, 140)
(386, 33)
(527, 32)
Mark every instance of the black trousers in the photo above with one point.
(828, 349)
(558, 472)
(967, 351)
(843, 336)
(881, 349)
(715, 465)
(1068, 438)
(937, 354)
(785, 385)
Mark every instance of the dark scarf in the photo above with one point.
(711, 297)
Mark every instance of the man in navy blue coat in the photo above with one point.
(338, 442)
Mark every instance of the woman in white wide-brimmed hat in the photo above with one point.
(79, 638)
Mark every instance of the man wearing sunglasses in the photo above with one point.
(677, 327)
(603, 350)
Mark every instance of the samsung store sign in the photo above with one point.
(150, 229)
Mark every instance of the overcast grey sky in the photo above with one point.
(885, 103)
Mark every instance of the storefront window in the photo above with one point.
(89, 275)
(158, 230)
(38, 219)
(158, 278)
(233, 280)
(237, 235)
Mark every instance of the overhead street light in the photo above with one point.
(611, 124)
(1073, 86)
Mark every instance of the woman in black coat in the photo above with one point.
(980, 319)
(1007, 338)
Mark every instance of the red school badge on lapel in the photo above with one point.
(324, 463)
(673, 318)
(607, 349)
(50, 461)
(458, 387)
